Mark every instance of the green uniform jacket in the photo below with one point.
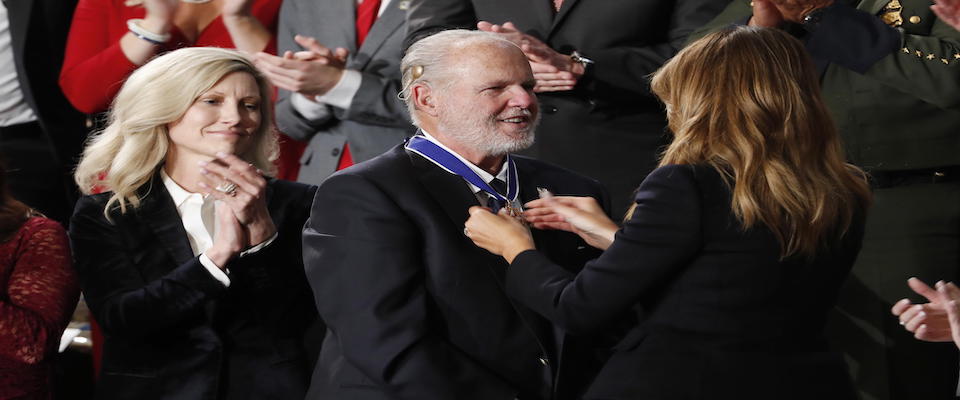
(893, 91)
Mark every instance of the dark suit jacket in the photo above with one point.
(38, 33)
(172, 331)
(610, 123)
(415, 310)
(725, 318)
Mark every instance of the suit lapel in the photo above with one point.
(388, 23)
(159, 213)
(344, 11)
(18, 14)
(447, 189)
(564, 10)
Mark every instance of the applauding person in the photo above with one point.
(111, 38)
(737, 243)
(936, 321)
(191, 260)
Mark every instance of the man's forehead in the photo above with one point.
(493, 58)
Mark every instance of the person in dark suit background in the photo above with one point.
(191, 260)
(736, 247)
(591, 60)
(347, 110)
(414, 310)
(40, 132)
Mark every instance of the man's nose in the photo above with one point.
(521, 97)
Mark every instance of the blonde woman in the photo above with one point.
(737, 243)
(191, 261)
(109, 39)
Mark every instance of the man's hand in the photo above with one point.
(765, 14)
(948, 11)
(553, 71)
(500, 233)
(312, 72)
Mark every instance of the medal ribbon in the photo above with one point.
(450, 163)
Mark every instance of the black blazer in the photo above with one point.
(724, 317)
(414, 309)
(610, 122)
(172, 331)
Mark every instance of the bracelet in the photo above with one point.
(140, 32)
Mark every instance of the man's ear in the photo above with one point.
(424, 99)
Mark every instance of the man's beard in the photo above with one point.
(482, 133)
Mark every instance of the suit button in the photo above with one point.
(915, 19)
(335, 152)
(550, 109)
(544, 361)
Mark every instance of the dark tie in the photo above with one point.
(492, 202)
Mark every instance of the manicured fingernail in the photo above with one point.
(202, 184)
(202, 163)
(204, 171)
(221, 154)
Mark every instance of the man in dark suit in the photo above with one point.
(40, 133)
(347, 109)
(415, 310)
(591, 60)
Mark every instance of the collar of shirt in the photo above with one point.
(486, 176)
(196, 213)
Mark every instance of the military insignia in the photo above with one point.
(945, 61)
(919, 54)
(404, 5)
(906, 50)
(892, 13)
(957, 56)
(931, 56)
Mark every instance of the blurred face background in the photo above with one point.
(490, 104)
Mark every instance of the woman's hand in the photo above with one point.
(247, 201)
(159, 17)
(948, 11)
(936, 321)
(499, 234)
(580, 215)
(230, 239)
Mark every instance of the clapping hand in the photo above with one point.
(243, 221)
(580, 215)
(553, 71)
(936, 321)
(948, 11)
(312, 72)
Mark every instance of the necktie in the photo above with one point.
(366, 14)
(501, 187)
(557, 4)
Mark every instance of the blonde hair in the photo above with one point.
(127, 153)
(747, 102)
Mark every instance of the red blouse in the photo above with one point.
(38, 292)
(95, 67)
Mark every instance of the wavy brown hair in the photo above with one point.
(13, 213)
(747, 102)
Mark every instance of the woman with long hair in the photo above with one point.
(190, 261)
(736, 245)
(38, 292)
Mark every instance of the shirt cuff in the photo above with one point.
(260, 246)
(341, 95)
(212, 268)
(309, 109)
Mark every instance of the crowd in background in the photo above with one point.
(239, 263)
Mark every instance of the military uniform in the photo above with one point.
(891, 78)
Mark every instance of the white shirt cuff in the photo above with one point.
(212, 268)
(341, 94)
(309, 109)
(260, 246)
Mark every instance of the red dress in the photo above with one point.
(38, 292)
(94, 66)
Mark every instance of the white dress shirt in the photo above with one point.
(199, 220)
(13, 107)
(486, 176)
(340, 95)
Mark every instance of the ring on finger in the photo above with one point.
(228, 188)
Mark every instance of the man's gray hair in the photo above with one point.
(426, 60)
